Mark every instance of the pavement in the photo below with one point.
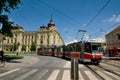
(19, 63)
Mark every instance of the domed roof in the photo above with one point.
(51, 23)
(17, 27)
(43, 26)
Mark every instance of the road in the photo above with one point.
(53, 68)
(47, 68)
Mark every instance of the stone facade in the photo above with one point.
(113, 38)
(44, 37)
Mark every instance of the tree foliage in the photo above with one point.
(23, 48)
(6, 26)
(33, 47)
(15, 46)
(5, 7)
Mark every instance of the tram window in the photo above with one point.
(96, 49)
(118, 50)
(87, 48)
(100, 49)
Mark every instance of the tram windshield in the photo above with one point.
(93, 48)
(96, 48)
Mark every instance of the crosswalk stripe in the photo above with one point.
(67, 65)
(80, 76)
(41, 75)
(66, 75)
(104, 75)
(26, 75)
(6, 73)
(90, 75)
(53, 75)
(113, 75)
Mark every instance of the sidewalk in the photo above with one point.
(19, 63)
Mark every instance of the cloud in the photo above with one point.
(71, 42)
(114, 18)
(84, 25)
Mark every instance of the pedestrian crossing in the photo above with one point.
(54, 74)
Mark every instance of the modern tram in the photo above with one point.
(86, 51)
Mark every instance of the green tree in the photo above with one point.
(15, 46)
(33, 47)
(23, 48)
(5, 7)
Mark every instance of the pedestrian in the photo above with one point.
(2, 55)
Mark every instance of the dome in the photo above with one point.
(51, 23)
(17, 27)
(43, 26)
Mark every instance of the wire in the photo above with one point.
(98, 13)
(59, 12)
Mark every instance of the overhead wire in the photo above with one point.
(59, 12)
(98, 13)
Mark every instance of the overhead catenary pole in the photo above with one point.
(82, 44)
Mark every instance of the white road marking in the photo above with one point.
(67, 65)
(66, 75)
(26, 74)
(11, 71)
(54, 74)
(90, 75)
(81, 66)
(80, 76)
(113, 75)
(104, 75)
(41, 75)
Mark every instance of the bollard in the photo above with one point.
(74, 69)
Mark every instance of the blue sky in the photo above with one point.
(69, 16)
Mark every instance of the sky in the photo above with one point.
(69, 16)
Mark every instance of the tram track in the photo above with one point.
(111, 71)
(112, 63)
(93, 70)
(96, 68)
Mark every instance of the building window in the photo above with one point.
(54, 39)
(8, 41)
(11, 40)
(48, 39)
(41, 42)
(41, 39)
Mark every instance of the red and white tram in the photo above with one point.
(114, 52)
(87, 51)
(92, 52)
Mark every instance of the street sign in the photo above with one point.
(75, 54)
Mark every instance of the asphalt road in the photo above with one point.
(53, 68)
(47, 68)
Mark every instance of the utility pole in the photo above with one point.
(82, 44)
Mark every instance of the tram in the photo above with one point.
(86, 52)
(114, 52)
(92, 52)
(46, 51)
